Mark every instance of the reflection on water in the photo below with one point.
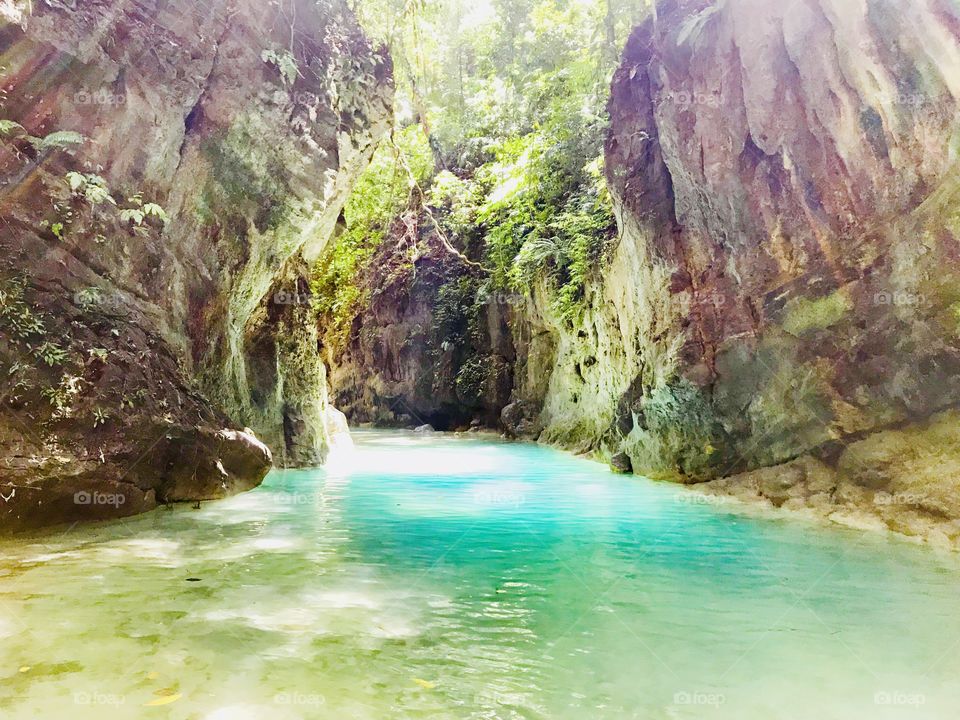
(440, 577)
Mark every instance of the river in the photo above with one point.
(433, 576)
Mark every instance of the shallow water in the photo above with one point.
(442, 577)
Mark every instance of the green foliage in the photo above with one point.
(15, 314)
(456, 313)
(471, 379)
(132, 215)
(285, 62)
(92, 188)
(15, 134)
(100, 416)
(547, 213)
(571, 250)
(350, 79)
(513, 95)
(88, 297)
(60, 139)
(61, 396)
(140, 211)
(9, 127)
(154, 210)
(51, 353)
(457, 201)
(19, 378)
(382, 192)
(458, 326)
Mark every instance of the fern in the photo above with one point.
(137, 215)
(60, 139)
(8, 127)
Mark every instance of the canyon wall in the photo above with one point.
(786, 287)
(170, 170)
(431, 344)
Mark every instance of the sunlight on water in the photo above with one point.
(441, 577)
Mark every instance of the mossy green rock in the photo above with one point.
(171, 335)
(785, 279)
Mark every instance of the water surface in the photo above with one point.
(443, 577)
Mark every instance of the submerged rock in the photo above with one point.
(520, 419)
(621, 463)
(424, 429)
(179, 465)
(901, 480)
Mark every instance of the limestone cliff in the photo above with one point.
(786, 280)
(432, 344)
(169, 170)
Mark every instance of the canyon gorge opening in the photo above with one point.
(263, 261)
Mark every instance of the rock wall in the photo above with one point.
(430, 346)
(170, 169)
(786, 281)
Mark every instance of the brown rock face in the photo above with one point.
(785, 176)
(169, 170)
(785, 284)
(430, 345)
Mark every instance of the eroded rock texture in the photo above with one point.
(431, 345)
(129, 345)
(786, 282)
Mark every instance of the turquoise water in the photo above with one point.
(443, 577)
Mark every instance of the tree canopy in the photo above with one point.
(499, 123)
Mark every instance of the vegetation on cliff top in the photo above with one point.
(500, 121)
